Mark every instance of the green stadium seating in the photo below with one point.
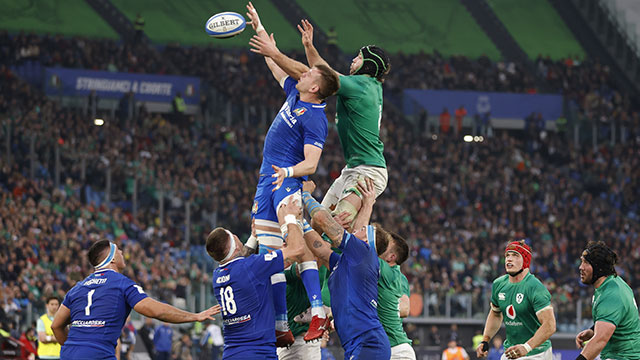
(537, 28)
(168, 21)
(68, 17)
(406, 26)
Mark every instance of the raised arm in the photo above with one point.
(320, 215)
(265, 45)
(313, 57)
(305, 167)
(368, 192)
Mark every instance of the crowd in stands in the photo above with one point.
(456, 203)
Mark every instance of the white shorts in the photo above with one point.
(348, 180)
(547, 355)
(403, 352)
(300, 350)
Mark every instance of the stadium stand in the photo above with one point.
(456, 203)
(538, 29)
(73, 17)
(407, 27)
(183, 22)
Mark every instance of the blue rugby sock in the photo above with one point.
(311, 280)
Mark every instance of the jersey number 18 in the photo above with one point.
(227, 302)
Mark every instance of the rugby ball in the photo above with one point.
(225, 25)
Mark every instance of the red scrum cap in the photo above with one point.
(521, 248)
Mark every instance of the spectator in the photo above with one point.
(146, 334)
(434, 336)
(445, 121)
(460, 113)
(454, 352)
(48, 346)
(182, 349)
(28, 340)
(496, 351)
(162, 341)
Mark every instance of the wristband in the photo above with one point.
(306, 228)
(288, 171)
(252, 242)
(527, 347)
(48, 338)
(593, 327)
(289, 219)
(581, 357)
(485, 345)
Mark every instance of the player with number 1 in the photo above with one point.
(97, 307)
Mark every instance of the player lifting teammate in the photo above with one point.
(292, 149)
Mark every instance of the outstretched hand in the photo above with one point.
(254, 18)
(368, 192)
(264, 44)
(279, 174)
(208, 314)
(306, 31)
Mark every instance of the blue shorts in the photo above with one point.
(266, 200)
(76, 352)
(372, 345)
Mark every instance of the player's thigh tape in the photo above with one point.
(297, 197)
(345, 205)
(270, 238)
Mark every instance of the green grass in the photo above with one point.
(68, 17)
(407, 26)
(537, 28)
(168, 21)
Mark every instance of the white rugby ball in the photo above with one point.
(225, 25)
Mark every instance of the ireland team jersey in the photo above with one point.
(99, 306)
(243, 289)
(297, 124)
(297, 299)
(614, 303)
(520, 303)
(358, 116)
(353, 284)
(391, 286)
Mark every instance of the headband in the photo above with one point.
(232, 246)
(371, 236)
(523, 250)
(109, 258)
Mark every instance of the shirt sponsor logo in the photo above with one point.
(511, 312)
(513, 323)
(95, 282)
(501, 296)
(237, 320)
(300, 111)
(222, 279)
(285, 113)
(519, 297)
(88, 323)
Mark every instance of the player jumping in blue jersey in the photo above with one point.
(353, 282)
(292, 149)
(242, 287)
(97, 307)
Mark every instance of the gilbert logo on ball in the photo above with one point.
(225, 25)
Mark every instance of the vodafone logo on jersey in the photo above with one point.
(511, 312)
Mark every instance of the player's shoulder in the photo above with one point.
(501, 280)
(532, 281)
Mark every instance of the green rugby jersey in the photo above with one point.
(519, 303)
(614, 303)
(358, 116)
(297, 299)
(392, 284)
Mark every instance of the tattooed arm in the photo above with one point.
(320, 215)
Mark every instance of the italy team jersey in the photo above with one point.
(353, 284)
(297, 124)
(520, 303)
(391, 286)
(614, 303)
(99, 306)
(243, 289)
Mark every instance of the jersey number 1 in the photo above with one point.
(87, 310)
(226, 301)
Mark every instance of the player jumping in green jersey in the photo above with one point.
(358, 117)
(526, 303)
(616, 332)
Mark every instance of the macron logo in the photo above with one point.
(222, 279)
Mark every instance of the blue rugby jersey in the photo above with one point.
(243, 289)
(353, 285)
(99, 306)
(297, 124)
